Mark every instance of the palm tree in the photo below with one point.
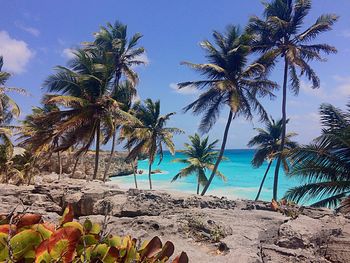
(324, 163)
(201, 157)
(280, 35)
(8, 110)
(89, 109)
(150, 134)
(123, 55)
(124, 94)
(268, 142)
(231, 81)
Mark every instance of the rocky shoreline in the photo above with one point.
(209, 229)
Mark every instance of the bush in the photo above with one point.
(26, 238)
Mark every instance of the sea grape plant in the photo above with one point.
(27, 238)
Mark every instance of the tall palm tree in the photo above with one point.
(150, 134)
(231, 81)
(200, 158)
(8, 110)
(123, 54)
(280, 35)
(268, 143)
(324, 163)
(88, 108)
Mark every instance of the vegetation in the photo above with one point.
(323, 164)
(91, 102)
(268, 143)
(150, 134)
(280, 35)
(26, 238)
(231, 81)
(200, 158)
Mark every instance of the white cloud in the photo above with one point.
(31, 30)
(16, 53)
(190, 90)
(68, 53)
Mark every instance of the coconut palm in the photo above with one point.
(268, 141)
(231, 81)
(281, 35)
(89, 112)
(151, 134)
(201, 157)
(123, 54)
(324, 163)
(8, 107)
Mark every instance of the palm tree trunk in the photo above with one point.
(223, 145)
(133, 169)
(75, 166)
(59, 165)
(149, 175)
(97, 153)
(198, 185)
(110, 157)
(263, 180)
(284, 123)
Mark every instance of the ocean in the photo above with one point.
(243, 180)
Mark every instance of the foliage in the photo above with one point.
(280, 34)
(268, 143)
(26, 238)
(200, 158)
(324, 163)
(230, 81)
(150, 133)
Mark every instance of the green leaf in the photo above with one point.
(24, 241)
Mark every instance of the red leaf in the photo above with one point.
(167, 251)
(68, 215)
(70, 234)
(183, 258)
(152, 248)
(6, 228)
(27, 220)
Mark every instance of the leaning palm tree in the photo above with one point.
(268, 142)
(123, 55)
(201, 157)
(231, 81)
(150, 134)
(324, 163)
(280, 35)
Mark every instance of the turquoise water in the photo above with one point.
(242, 179)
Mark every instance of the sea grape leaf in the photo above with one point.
(68, 215)
(167, 251)
(6, 229)
(111, 256)
(87, 225)
(152, 248)
(27, 220)
(182, 258)
(95, 229)
(115, 241)
(99, 252)
(42, 254)
(4, 252)
(62, 243)
(44, 229)
(75, 225)
(24, 241)
(90, 240)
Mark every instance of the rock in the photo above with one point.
(209, 229)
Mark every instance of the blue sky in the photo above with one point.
(37, 35)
